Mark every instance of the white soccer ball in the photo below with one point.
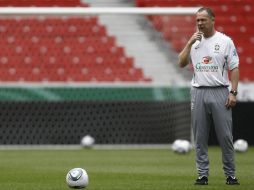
(181, 146)
(87, 141)
(241, 145)
(77, 178)
(175, 145)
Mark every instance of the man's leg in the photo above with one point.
(222, 118)
(201, 126)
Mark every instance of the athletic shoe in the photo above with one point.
(202, 180)
(231, 180)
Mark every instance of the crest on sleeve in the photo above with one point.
(235, 53)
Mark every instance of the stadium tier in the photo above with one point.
(61, 49)
(233, 18)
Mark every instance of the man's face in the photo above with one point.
(204, 23)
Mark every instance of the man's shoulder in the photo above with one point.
(223, 36)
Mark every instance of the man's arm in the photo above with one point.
(183, 57)
(234, 75)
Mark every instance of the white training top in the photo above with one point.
(211, 59)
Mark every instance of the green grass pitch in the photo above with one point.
(136, 169)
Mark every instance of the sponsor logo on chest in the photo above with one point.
(206, 65)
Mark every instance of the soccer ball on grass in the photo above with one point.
(87, 141)
(181, 146)
(240, 145)
(77, 178)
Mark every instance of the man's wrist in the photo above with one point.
(234, 92)
(190, 43)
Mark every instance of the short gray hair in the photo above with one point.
(208, 10)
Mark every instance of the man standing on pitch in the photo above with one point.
(212, 54)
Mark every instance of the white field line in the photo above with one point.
(79, 147)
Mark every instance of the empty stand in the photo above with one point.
(233, 18)
(61, 49)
